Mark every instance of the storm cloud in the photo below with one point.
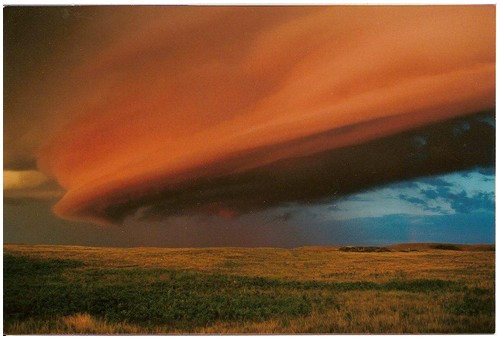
(147, 112)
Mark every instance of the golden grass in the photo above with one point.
(319, 263)
(354, 311)
(72, 324)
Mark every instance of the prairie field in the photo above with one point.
(406, 288)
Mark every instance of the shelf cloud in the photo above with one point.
(151, 112)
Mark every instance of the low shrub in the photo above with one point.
(364, 249)
(447, 247)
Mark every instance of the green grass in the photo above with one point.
(35, 288)
(472, 304)
(40, 291)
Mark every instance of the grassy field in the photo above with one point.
(408, 288)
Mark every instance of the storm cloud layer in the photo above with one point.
(159, 111)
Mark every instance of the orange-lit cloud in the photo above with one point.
(172, 99)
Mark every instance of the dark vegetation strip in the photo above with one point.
(45, 288)
(472, 304)
(364, 249)
(25, 265)
(448, 247)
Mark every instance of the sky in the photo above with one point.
(188, 126)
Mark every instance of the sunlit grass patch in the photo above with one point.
(71, 324)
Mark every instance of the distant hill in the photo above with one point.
(405, 247)
(441, 246)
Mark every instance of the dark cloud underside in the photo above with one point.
(329, 174)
